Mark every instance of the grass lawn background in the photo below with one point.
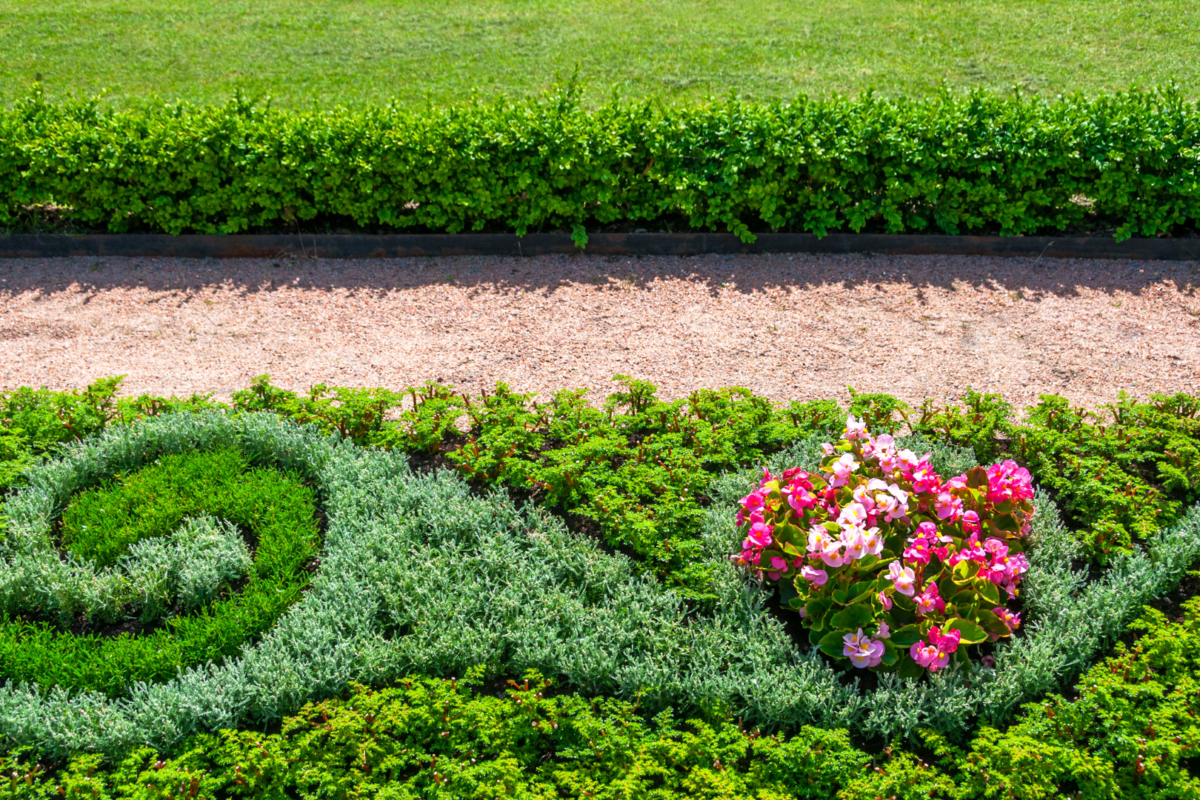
(307, 53)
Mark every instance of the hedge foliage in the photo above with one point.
(956, 164)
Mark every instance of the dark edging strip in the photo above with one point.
(623, 244)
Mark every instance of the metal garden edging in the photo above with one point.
(650, 244)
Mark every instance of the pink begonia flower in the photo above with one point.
(918, 551)
(902, 578)
(946, 642)
(862, 651)
(925, 480)
(927, 529)
(855, 543)
(885, 601)
(842, 469)
(972, 551)
(817, 577)
(936, 654)
(957, 482)
(894, 504)
(885, 452)
(828, 449)
(873, 541)
(862, 497)
(749, 504)
(970, 522)
(949, 507)
(801, 499)
(779, 564)
(908, 461)
(760, 534)
(821, 545)
(752, 501)
(1013, 621)
(853, 515)
(884, 631)
(929, 656)
(1009, 482)
(855, 428)
(929, 602)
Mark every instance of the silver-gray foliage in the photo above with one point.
(187, 568)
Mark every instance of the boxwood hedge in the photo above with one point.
(976, 163)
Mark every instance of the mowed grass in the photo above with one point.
(308, 53)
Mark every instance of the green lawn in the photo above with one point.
(312, 53)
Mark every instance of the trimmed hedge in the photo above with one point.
(974, 163)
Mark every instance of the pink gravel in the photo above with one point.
(787, 327)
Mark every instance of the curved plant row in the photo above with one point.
(422, 574)
(977, 163)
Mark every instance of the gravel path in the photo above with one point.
(786, 327)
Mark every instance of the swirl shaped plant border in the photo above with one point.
(145, 554)
(420, 575)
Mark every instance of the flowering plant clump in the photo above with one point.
(891, 566)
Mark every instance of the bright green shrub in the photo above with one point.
(355, 414)
(638, 468)
(973, 163)
(1131, 732)
(1120, 473)
(34, 422)
(430, 738)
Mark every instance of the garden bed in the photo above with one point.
(577, 558)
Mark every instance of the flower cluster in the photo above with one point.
(891, 565)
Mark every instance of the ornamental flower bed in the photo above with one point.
(892, 566)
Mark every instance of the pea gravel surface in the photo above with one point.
(787, 327)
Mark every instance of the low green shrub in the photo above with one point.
(35, 422)
(955, 164)
(1119, 473)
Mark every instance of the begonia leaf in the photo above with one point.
(906, 636)
(853, 617)
(988, 590)
(971, 632)
(831, 644)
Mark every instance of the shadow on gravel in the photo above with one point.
(1024, 278)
